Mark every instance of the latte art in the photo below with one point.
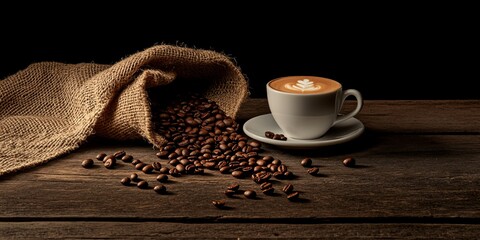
(303, 85)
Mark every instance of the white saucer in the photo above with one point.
(340, 133)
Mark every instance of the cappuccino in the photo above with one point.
(304, 84)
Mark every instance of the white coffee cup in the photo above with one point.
(306, 107)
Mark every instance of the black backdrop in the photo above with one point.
(401, 53)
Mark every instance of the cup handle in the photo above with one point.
(358, 96)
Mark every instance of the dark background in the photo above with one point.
(398, 52)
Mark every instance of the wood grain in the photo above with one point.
(156, 230)
(417, 177)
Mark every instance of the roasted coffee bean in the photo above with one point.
(287, 188)
(229, 193)
(238, 174)
(184, 162)
(160, 189)
(87, 163)
(278, 175)
(268, 191)
(136, 161)
(293, 196)
(268, 158)
(147, 169)
(280, 137)
(125, 181)
(101, 156)
(255, 144)
(163, 154)
(127, 158)
(174, 172)
(218, 203)
(174, 162)
(162, 178)
(262, 162)
(273, 168)
(288, 175)
(164, 170)
(157, 166)
(209, 165)
(110, 163)
(250, 194)
(225, 169)
(172, 156)
(108, 157)
(306, 162)
(313, 171)
(282, 168)
(142, 184)
(269, 134)
(180, 168)
(139, 166)
(265, 185)
(119, 154)
(234, 187)
(190, 169)
(349, 162)
(276, 162)
(134, 177)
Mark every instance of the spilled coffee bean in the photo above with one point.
(306, 162)
(87, 163)
(218, 203)
(142, 184)
(250, 194)
(160, 189)
(349, 162)
(125, 181)
(293, 196)
(313, 171)
(287, 188)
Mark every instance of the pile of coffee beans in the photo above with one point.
(199, 136)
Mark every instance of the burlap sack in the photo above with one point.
(49, 109)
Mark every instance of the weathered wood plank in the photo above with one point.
(402, 116)
(156, 230)
(400, 176)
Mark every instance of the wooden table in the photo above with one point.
(419, 177)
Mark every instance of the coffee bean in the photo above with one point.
(147, 169)
(278, 175)
(174, 172)
(164, 170)
(162, 154)
(136, 161)
(134, 177)
(142, 184)
(268, 191)
(160, 189)
(276, 162)
(280, 137)
(288, 175)
(101, 156)
(110, 163)
(87, 163)
(218, 203)
(255, 144)
(265, 185)
(174, 162)
(139, 166)
(313, 171)
(250, 194)
(234, 187)
(238, 174)
(293, 196)
(108, 157)
(225, 169)
(229, 193)
(190, 169)
(119, 154)
(127, 158)
(268, 158)
(269, 134)
(287, 188)
(125, 181)
(306, 162)
(157, 166)
(282, 168)
(162, 178)
(180, 168)
(349, 162)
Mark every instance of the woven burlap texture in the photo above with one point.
(50, 109)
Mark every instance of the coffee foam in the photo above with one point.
(304, 84)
